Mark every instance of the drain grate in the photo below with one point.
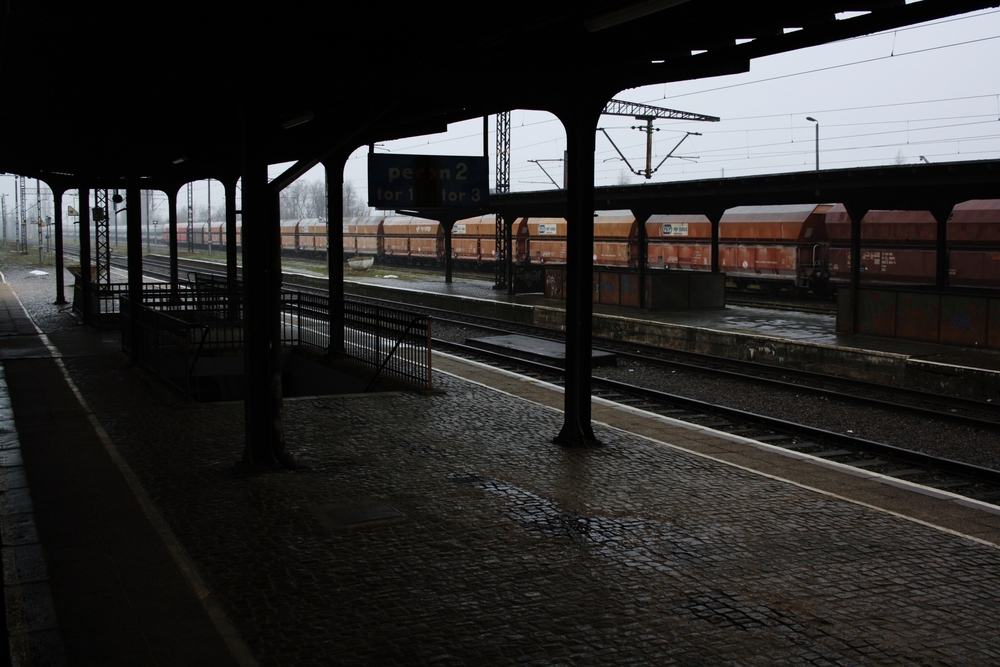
(347, 516)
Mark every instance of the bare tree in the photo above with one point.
(354, 205)
(315, 201)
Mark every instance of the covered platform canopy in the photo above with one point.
(158, 94)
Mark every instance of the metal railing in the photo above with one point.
(170, 345)
(204, 317)
(394, 342)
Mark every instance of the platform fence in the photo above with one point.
(204, 317)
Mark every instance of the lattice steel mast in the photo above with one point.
(190, 232)
(647, 113)
(102, 237)
(24, 215)
(503, 185)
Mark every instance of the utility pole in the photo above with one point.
(116, 199)
(24, 215)
(190, 233)
(102, 236)
(810, 118)
(17, 212)
(38, 216)
(209, 182)
(3, 207)
(647, 113)
(503, 251)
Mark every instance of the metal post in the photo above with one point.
(447, 223)
(232, 276)
(856, 211)
(264, 420)
(84, 211)
(810, 118)
(640, 219)
(208, 181)
(102, 236)
(172, 237)
(941, 213)
(509, 245)
(38, 217)
(504, 268)
(335, 251)
(649, 148)
(24, 215)
(715, 217)
(580, 120)
(190, 218)
(133, 244)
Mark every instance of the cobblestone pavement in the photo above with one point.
(505, 549)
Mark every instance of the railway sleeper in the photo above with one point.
(866, 463)
(952, 484)
(799, 445)
(909, 472)
(775, 437)
(830, 453)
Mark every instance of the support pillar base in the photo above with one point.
(575, 438)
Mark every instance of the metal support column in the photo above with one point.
(335, 250)
(856, 211)
(264, 414)
(448, 224)
(508, 224)
(640, 218)
(232, 241)
(232, 257)
(941, 213)
(85, 309)
(190, 217)
(580, 120)
(133, 242)
(172, 238)
(57, 195)
(715, 216)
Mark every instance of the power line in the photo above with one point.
(828, 68)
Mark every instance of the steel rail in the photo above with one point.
(871, 447)
(756, 372)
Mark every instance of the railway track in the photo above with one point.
(930, 471)
(963, 411)
(942, 473)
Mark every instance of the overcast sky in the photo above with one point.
(930, 90)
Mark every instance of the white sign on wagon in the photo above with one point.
(547, 228)
(458, 229)
(680, 229)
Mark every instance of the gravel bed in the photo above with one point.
(927, 435)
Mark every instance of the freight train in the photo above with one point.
(796, 248)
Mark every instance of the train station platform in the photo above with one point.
(447, 529)
(784, 339)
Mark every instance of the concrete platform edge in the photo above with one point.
(840, 468)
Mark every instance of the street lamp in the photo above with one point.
(810, 118)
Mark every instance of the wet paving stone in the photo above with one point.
(513, 551)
